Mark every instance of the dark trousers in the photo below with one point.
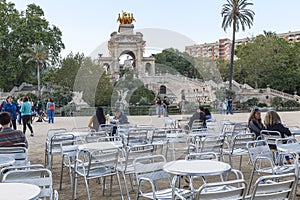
(26, 120)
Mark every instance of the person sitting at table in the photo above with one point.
(8, 136)
(97, 119)
(199, 115)
(272, 122)
(207, 113)
(255, 124)
(119, 118)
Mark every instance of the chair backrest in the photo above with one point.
(56, 140)
(197, 125)
(159, 135)
(151, 166)
(20, 167)
(240, 127)
(270, 137)
(95, 136)
(259, 148)
(20, 154)
(179, 146)
(212, 144)
(54, 131)
(202, 156)
(131, 153)
(240, 141)
(212, 125)
(234, 189)
(39, 177)
(82, 129)
(106, 127)
(168, 122)
(104, 161)
(274, 187)
(136, 136)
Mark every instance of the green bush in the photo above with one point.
(290, 104)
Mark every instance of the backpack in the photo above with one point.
(51, 107)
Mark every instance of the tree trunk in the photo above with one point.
(39, 81)
(232, 55)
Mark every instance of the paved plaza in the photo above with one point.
(37, 146)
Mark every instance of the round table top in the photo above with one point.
(6, 160)
(18, 191)
(196, 167)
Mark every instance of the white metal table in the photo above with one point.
(19, 191)
(6, 160)
(289, 147)
(195, 168)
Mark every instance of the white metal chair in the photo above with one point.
(179, 146)
(68, 152)
(149, 171)
(212, 143)
(136, 137)
(39, 177)
(53, 146)
(126, 166)
(238, 147)
(96, 164)
(263, 161)
(159, 139)
(20, 154)
(274, 187)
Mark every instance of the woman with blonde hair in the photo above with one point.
(273, 123)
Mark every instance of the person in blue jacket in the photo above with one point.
(13, 108)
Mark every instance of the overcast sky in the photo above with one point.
(87, 24)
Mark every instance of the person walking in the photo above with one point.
(50, 110)
(26, 115)
(13, 108)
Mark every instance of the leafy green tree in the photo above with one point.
(143, 96)
(269, 60)
(18, 31)
(61, 95)
(39, 54)
(236, 13)
(66, 74)
(180, 62)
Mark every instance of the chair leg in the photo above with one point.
(126, 186)
(241, 159)
(75, 185)
(87, 188)
(70, 172)
(111, 182)
(250, 181)
(120, 186)
(61, 172)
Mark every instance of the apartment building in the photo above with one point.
(221, 48)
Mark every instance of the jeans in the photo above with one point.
(50, 116)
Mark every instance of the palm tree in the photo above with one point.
(235, 13)
(39, 54)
